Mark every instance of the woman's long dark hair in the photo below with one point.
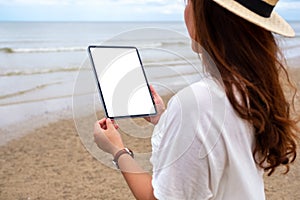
(247, 57)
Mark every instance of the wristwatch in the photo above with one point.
(118, 155)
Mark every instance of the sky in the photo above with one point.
(111, 10)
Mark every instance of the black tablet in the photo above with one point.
(121, 80)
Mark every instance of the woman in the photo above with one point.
(217, 136)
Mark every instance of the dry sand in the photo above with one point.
(51, 163)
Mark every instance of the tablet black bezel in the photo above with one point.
(99, 87)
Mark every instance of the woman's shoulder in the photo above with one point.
(201, 94)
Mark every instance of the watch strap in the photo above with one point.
(119, 154)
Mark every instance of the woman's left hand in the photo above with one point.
(107, 136)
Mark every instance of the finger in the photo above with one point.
(115, 124)
(102, 122)
(157, 101)
(100, 126)
(109, 124)
(153, 91)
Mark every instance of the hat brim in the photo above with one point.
(274, 23)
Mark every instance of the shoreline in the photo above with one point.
(10, 128)
(50, 102)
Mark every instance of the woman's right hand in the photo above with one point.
(160, 107)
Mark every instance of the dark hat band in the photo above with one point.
(258, 6)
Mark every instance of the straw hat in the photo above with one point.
(259, 12)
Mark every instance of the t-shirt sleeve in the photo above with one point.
(179, 170)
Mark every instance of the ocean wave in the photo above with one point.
(74, 49)
(36, 71)
(177, 43)
(163, 44)
(6, 50)
(41, 50)
(21, 92)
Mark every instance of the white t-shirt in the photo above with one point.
(201, 149)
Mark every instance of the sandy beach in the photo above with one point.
(51, 163)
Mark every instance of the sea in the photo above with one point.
(45, 71)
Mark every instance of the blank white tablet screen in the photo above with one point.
(124, 88)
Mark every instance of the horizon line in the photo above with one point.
(104, 21)
(109, 21)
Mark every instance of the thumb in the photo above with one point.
(154, 93)
(109, 124)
